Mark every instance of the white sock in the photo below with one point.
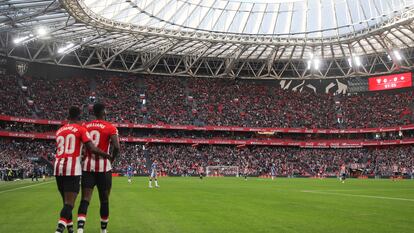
(156, 183)
(150, 183)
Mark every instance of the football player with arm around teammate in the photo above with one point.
(97, 171)
(153, 175)
(70, 139)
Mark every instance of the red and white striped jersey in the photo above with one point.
(69, 141)
(101, 132)
(200, 170)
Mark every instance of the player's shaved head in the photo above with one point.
(99, 110)
(74, 113)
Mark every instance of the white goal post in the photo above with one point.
(222, 171)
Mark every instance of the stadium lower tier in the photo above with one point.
(174, 159)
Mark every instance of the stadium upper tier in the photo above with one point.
(214, 38)
(176, 101)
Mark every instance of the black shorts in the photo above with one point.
(103, 180)
(67, 184)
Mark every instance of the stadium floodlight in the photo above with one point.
(350, 62)
(20, 39)
(67, 48)
(357, 61)
(309, 64)
(397, 55)
(313, 62)
(24, 39)
(41, 31)
(316, 64)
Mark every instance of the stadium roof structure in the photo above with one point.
(261, 39)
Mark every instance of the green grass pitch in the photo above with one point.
(227, 205)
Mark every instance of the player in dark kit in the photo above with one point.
(97, 171)
(35, 173)
(67, 166)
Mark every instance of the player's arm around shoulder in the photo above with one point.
(90, 146)
(84, 134)
(116, 147)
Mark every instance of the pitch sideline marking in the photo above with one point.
(359, 195)
(9, 190)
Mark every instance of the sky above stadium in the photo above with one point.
(294, 18)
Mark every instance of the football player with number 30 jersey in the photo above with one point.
(97, 171)
(70, 139)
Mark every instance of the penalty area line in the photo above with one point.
(358, 195)
(24, 187)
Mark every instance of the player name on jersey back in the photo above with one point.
(101, 132)
(69, 141)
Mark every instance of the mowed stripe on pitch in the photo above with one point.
(24, 187)
(359, 195)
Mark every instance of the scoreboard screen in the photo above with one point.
(388, 82)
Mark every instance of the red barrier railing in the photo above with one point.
(222, 128)
(256, 142)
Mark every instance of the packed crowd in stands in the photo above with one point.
(186, 159)
(17, 156)
(49, 95)
(121, 95)
(221, 102)
(163, 100)
(168, 102)
(13, 101)
(378, 109)
(27, 127)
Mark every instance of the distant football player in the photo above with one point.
(43, 170)
(97, 171)
(201, 172)
(273, 171)
(130, 173)
(342, 173)
(153, 175)
(396, 172)
(67, 166)
(246, 171)
(35, 173)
